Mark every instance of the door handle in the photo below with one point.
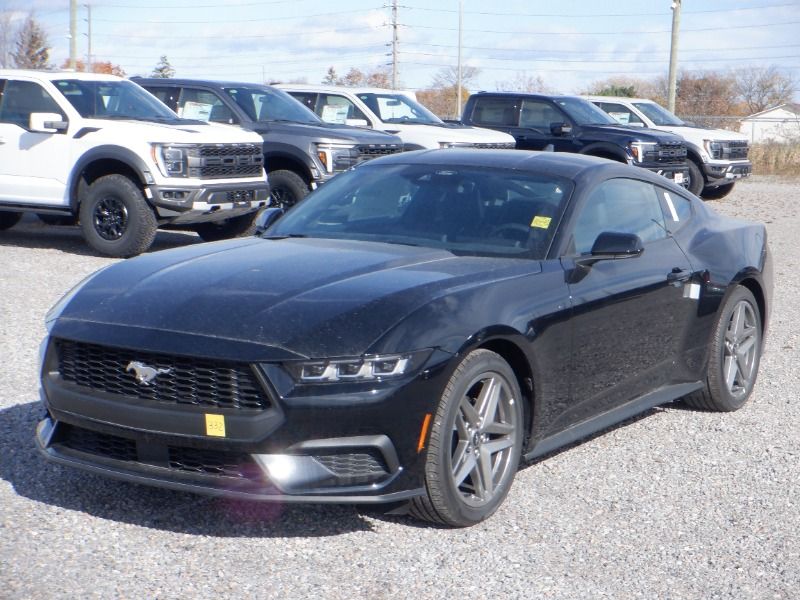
(677, 275)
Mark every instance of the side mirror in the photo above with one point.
(637, 124)
(560, 128)
(611, 244)
(356, 122)
(266, 218)
(47, 123)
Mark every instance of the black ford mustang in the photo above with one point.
(408, 333)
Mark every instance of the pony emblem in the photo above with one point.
(145, 374)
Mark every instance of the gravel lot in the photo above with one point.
(674, 504)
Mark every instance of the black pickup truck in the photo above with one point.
(300, 150)
(572, 124)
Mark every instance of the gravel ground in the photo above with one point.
(674, 504)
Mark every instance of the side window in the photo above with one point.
(308, 99)
(337, 109)
(21, 98)
(620, 113)
(203, 106)
(619, 205)
(539, 115)
(502, 112)
(677, 209)
(167, 95)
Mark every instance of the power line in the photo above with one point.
(267, 36)
(603, 61)
(223, 21)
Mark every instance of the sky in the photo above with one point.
(569, 43)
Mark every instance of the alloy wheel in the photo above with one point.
(741, 349)
(110, 217)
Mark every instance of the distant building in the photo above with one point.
(778, 124)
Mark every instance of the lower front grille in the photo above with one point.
(99, 444)
(240, 196)
(212, 462)
(355, 468)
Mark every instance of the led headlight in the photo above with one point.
(172, 160)
(639, 149)
(713, 148)
(336, 157)
(363, 368)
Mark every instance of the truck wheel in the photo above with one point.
(115, 217)
(286, 188)
(9, 219)
(717, 193)
(241, 226)
(696, 181)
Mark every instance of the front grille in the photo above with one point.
(368, 152)
(99, 444)
(226, 161)
(181, 381)
(356, 468)
(670, 153)
(736, 149)
(213, 462)
(498, 146)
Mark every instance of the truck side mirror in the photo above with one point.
(560, 128)
(47, 123)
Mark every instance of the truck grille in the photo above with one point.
(181, 381)
(730, 150)
(496, 146)
(226, 161)
(370, 151)
(670, 153)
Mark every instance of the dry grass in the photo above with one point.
(776, 159)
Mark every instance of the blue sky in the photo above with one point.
(568, 44)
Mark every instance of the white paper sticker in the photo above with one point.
(692, 291)
(671, 206)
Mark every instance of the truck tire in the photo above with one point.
(9, 219)
(717, 193)
(115, 217)
(696, 179)
(286, 188)
(241, 226)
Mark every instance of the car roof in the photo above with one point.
(173, 81)
(340, 88)
(58, 74)
(528, 95)
(617, 99)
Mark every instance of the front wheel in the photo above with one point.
(9, 219)
(475, 443)
(734, 355)
(717, 193)
(115, 217)
(241, 226)
(696, 181)
(286, 188)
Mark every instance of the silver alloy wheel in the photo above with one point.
(483, 438)
(741, 349)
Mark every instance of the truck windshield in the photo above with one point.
(399, 108)
(266, 104)
(583, 112)
(113, 100)
(658, 114)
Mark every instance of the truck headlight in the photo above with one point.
(639, 150)
(336, 157)
(713, 148)
(172, 160)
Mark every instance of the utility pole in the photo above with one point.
(460, 22)
(394, 44)
(673, 53)
(89, 63)
(73, 34)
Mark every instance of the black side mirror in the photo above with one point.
(612, 244)
(560, 128)
(266, 218)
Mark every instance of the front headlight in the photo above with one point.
(172, 160)
(713, 148)
(363, 368)
(639, 150)
(337, 157)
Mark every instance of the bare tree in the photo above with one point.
(522, 82)
(447, 77)
(6, 38)
(708, 93)
(97, 67)
(32, 51)
(358, 78)
(763, 87)
(331, 77)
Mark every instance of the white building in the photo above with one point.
(778, 124)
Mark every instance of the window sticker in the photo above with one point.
(671, 206)
(541, 222)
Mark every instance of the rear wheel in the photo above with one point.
(241, 226)
(115, 217)
(696, 181)
(734, 355)
(9, 219)
(475, 443)
(286, 188)
(717, 193)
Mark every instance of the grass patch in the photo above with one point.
(772, 158)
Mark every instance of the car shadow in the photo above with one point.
(33, 477)
(30, 232)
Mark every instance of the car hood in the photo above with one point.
(282, 298)
(633, 133)
(325, 131)
(186, 132)
(694, 133)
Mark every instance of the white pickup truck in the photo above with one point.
(716, 157)
(102, 151)
(393, 111)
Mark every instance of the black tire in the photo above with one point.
(57, 219)
(115, 217)
(717, 193)
(9, 219)
(730, 382)
(696, 179)
(457, 496)
(286, 188)
(241, 226)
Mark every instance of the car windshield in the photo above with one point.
(583, 112)
(468, 211)
(113, 100)
(658, 114)
(399, 108)
(265, 104)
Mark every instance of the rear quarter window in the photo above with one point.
(503, 112)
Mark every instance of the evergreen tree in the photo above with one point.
(32, 51)
(163, 69)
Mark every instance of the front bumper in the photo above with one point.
(312, 443)
(677, 173)
(184, 205)
(721, 172)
